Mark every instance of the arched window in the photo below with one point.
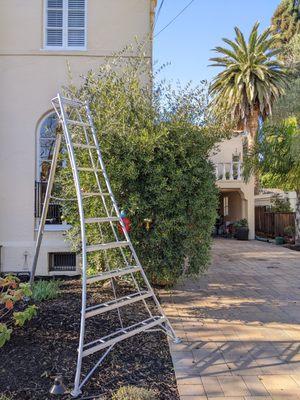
(46, 142)
(46, 136)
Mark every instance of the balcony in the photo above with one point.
(229, 171)
(54, 210)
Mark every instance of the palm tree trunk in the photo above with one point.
(297, 218)
(252, 128)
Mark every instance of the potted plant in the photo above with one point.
(241, 229)
(289, 234)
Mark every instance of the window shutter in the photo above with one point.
(76, 23)
(65, 24)
(54, 24)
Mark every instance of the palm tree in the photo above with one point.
(252, 79)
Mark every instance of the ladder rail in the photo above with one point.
(72, 159)
(95, 173)
(45, 206)
(95, 169)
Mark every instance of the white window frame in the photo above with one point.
(48, 227)
(225, 206)
(65, 46)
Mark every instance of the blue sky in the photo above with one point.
(187, 43)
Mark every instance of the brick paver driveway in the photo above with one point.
(240, 325)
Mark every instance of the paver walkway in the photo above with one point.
(240, 325)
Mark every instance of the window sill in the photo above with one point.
(55, 228)
(64, 49)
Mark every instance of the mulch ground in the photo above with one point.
(47, 346)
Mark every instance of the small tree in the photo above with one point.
(276, 157)
(280, 204)
(12, 293)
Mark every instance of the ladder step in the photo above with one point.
(121, 302)
(113, 274)
(104, 219)
(84, 146)
(106, 246)
(121, 334)
(87, 169)
(94, 194)
(79, 123)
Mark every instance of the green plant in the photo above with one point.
(286, 21)
(4, 397)
(45, 290)
(251, 80)
(280, 204)
(156, 146)
(242, 223)
(12, 292)
(289, 230)
(134, 393)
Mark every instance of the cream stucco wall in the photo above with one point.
(225, 150)
(29, 77)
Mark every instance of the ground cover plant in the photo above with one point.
(156, 146)
(134, 393)
(13, 309)
(45, 290)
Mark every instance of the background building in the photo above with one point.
(236, 196)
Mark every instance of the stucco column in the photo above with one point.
(251, 209)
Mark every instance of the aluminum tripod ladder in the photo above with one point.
(80, 137)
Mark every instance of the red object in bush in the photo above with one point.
(127, 224)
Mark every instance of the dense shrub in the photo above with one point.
(134, 393)
(12, 294)
(155, 146)
(45, 290)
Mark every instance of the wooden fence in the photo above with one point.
(271, 224)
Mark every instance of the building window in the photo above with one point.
(65, 24)
(225, 206)
(47, 135)
(45, 146)
(61, 262)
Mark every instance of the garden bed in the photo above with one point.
(47, 346)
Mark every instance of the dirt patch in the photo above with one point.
(47, 346)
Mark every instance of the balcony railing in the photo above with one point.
(229, 171)
(54, 210)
